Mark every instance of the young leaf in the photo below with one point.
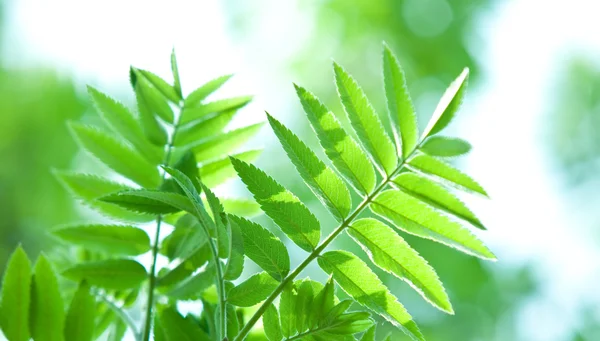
(222, 144)
(16, 297)
(287, 310)
(448, 105)
(401, 110)
(152, 202)
(161, 85)
(47, 311)
(440, 169)
(124, 123)
(365, 121)
(235, 261)
(355, 277)
(436, 195)
(205, 90)
(202, 128)
(112, 239)
(175, 72)
(416, 217)
(217, 172)
(445, 146)
(112, 274)
(192, 113)
(391, 253)
(286, 210)
(177, 328)
(79, 323)
(326, 185)
(253, 290)
(343, 151)
(116, 155)
(266, 250)
(271, 324)
(91, 187)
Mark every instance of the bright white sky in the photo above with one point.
(529, 218)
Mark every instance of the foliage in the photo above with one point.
(402, 180)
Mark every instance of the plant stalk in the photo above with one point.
(317, 252)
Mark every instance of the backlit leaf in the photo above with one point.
(203, 128)
(286, 210)
(47, 310)
(357, 279)
(79, 324)
(326, 185)
(343, 151)
(365, 121)
(416, 217)
(445, 146)
(217, 172)
(152, 202)
(401, 110)
(191, 113)
(194, 98)
(161, 85)
(391, 253)
(222, 144)
(448, 105)
(271, 324)
(432, 166)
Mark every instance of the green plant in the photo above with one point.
(404, 181)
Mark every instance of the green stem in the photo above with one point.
(119, 311)
(317, 252)
(155, 246)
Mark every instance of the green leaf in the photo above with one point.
(176, 79)
(222, 144)
(432, 166)
(124, 123)
(445, 146)
(187, 238)
(400, 106)
(116, 155)
(47, 311)
(235, 261)
(323, 303)
(287, 310)
(111, 239)
(118, 331)
(152, 129)
(326, 185)
(194, 98)
(192, 287)
(79, 324)
(223, 229)
(448, 105)
(192, 113)
(241, 207)
(91, 187)
(357, 279)
(217, 172)
(436, 195)
(177, 328)
(186, 268)
(152, 202)
(369, 335)
(253, 290)
(365, 121)
(416, 217)
(263, 248)
(286, 210)
(115, 274)
(187, 165)
(271, 324)
(391, 253)
(343, 151)
(16, 297)
(304, 302)
(161, 85)
(203, 128)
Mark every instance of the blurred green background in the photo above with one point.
(532, 113)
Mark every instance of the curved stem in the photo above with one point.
(317, 252)
(155, 246)
(119, 311)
